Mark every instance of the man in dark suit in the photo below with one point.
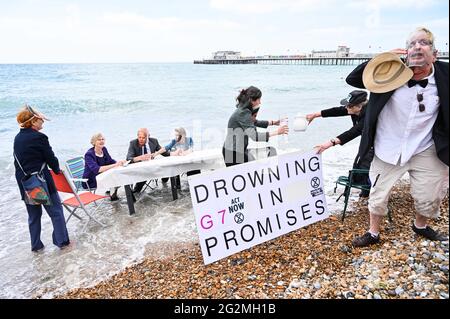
(143, 148)
(407, 123)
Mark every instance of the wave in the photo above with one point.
(73, 107)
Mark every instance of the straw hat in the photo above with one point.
(386, 72)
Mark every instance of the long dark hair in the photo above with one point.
(247, 95)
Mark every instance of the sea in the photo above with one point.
(116, 100)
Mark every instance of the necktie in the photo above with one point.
(423, 83)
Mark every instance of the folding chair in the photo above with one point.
(64, 184)
(349, 183)
(75, 167)
(148, 184)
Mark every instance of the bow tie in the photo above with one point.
(423, 83)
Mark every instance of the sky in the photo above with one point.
(103, 31)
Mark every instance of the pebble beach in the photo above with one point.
(315, 262)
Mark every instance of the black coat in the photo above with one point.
(358, 122)
(135, 150)
(32, 150)
(378, 101)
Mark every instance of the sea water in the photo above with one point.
(116, 100)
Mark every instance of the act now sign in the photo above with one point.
(244, 205)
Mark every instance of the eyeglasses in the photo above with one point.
(422, 42)
(420, 99)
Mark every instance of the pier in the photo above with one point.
(297, 60)
(282, 60)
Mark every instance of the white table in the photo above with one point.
(170, 166)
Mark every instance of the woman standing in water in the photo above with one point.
(33, 153)
(241, 127)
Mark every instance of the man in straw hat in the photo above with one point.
(407, 123)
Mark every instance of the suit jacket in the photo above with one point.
(357, 120)
(378, 101)
(135, 150)
(32, 150)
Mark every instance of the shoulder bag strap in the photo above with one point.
(17, 160)
(40, 171)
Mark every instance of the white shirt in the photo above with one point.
(402, 130)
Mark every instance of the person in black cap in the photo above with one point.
(355, 106)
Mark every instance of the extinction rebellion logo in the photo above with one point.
(315, 184)
(239, 218)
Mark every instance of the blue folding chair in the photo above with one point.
(75, 167)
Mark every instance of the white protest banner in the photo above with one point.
(244, 205)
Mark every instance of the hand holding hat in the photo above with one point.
(386, 72)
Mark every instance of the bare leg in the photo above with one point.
(375, 221)
(421, 221)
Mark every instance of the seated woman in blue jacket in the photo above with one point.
(179, 146)
(32, 150)
(97, 160)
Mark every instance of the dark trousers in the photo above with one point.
(363, 163)
(231, 158)
(55, 211)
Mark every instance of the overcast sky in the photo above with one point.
(50, 31)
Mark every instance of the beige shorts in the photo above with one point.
(428, 178)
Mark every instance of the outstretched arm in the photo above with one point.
(324, 146)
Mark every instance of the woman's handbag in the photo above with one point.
(35, 187)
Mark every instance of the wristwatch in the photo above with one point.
(333, 141)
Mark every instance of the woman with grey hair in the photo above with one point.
(97, 160)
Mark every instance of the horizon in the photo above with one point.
(81, 32)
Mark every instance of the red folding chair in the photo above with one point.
(80, 200)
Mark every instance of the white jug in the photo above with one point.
(300, 123)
